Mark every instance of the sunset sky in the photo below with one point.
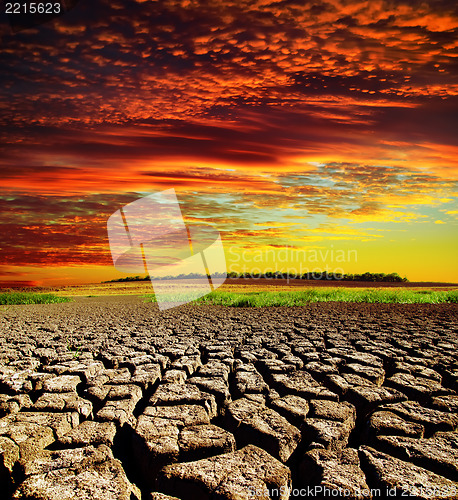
(320, 126)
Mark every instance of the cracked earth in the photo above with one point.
(107, 398)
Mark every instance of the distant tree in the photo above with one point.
(367, 276)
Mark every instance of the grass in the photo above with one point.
(76, 351)
(304, 297)
(15, 298)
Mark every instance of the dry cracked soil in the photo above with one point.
(108, 398)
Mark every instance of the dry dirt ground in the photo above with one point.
(108, 398)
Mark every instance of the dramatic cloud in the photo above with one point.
(276, 121)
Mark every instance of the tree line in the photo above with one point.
(367, 276)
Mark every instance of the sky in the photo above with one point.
(326, 130)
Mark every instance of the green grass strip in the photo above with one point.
(304, 297)
(15, 298)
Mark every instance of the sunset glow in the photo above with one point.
(326, 126)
